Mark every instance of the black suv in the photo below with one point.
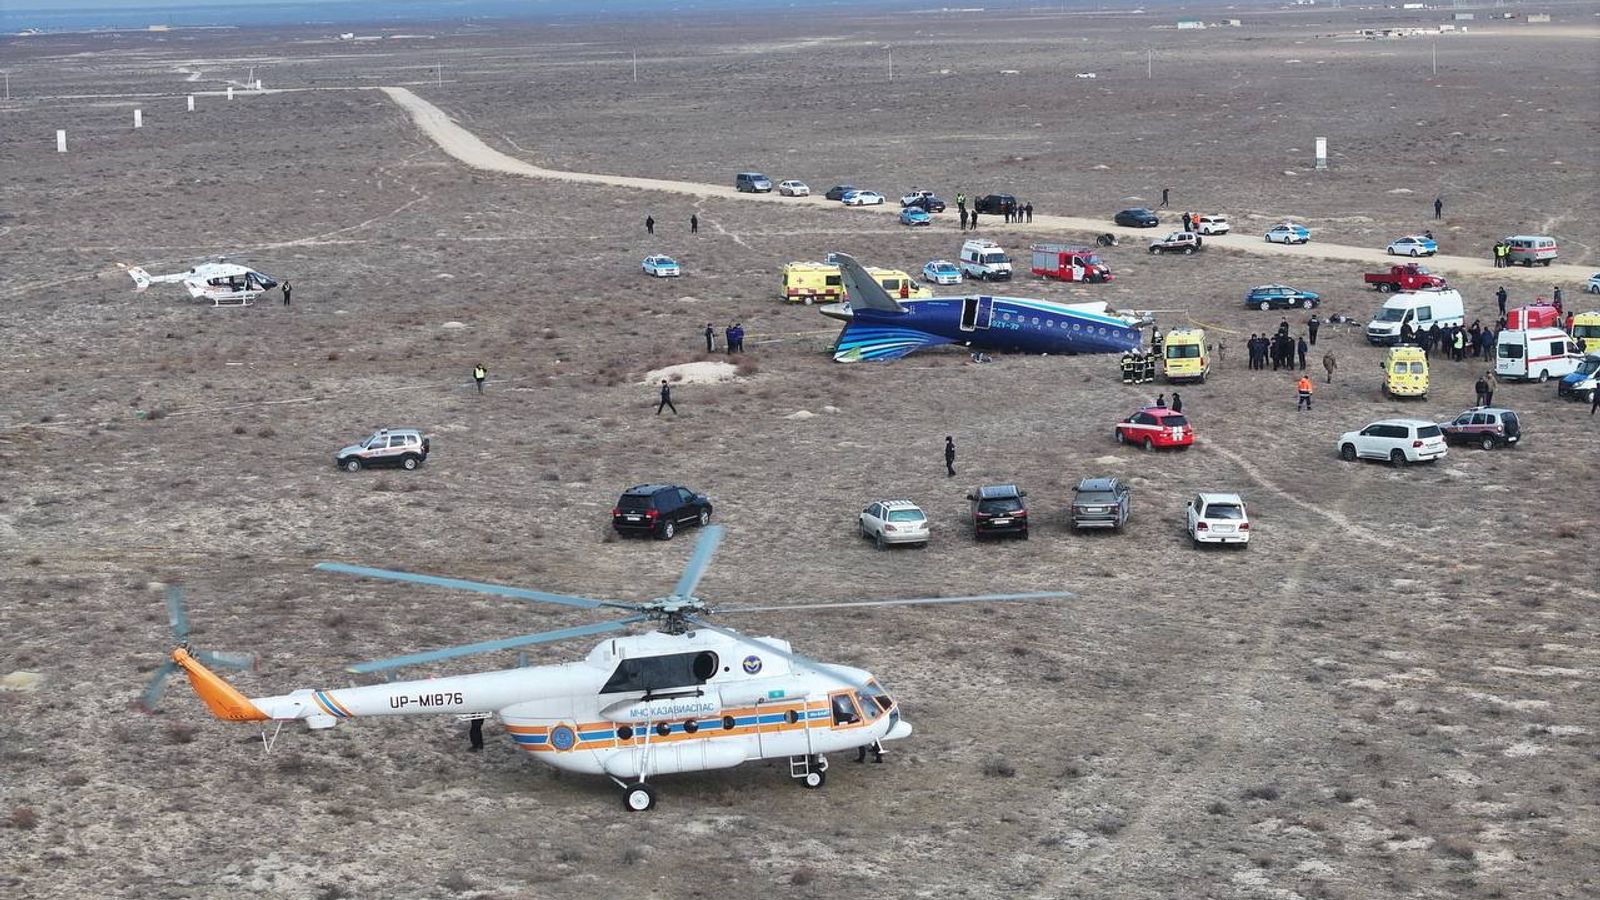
(995, 204)
(999, 509)
(659, 509)
(927, 203)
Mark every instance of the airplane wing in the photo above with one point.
(861, 341)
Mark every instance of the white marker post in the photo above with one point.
(191, 103)
(258, 84)
(138, 118)
(230, 92)
(1322, 154)
(61, 140)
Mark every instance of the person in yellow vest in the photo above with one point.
(479, 373)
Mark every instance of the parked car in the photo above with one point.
(862, 198)
(403, 447)
(887, 522)
(1218, 519)
(1213, 225)
(1487, 426)
(1288, 233)
(1593, 286)
(1185, 242)
(1280, 296)
(793, 188)
(941, 271)
(999, 509)
(1101, 503)
(1529, 249)
(995, 204)
(1156, 426)
(1137, 217)
(1396, 440)
(915, 215)
(659, 510)
(911, 199)
(927, 202)
(753, 182)
(1413, 245)
(661, 267)
(1581, 383)
(838, 191)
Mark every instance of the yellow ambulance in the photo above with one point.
(1405, 372)
(1586, 330)
(1184, 355)
(815, 282)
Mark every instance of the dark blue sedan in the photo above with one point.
(1137, 217)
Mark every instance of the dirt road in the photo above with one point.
(468, 148)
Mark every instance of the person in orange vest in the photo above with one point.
(1303, 388)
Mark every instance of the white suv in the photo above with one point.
(894, 522)
(403, 447)
(1218, 519)
(1396, 440)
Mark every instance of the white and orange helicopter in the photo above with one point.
(222, 282)
(688, 696)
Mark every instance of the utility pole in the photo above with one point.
(890, 51)
(8, 85)
(1435, 57)
(635, 67)
(440, 71)
(1150, 64)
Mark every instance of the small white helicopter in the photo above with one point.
(222, 282)
(687, 697)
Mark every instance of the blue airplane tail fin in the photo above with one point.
(861, 341)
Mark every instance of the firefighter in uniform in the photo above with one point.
(1127, 367)
(1150, 366)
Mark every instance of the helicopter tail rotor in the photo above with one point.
(178, 621)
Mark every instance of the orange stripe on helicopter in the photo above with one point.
(224, 701)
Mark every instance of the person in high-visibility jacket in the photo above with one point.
(1303, 389)
(1127, 367)
(1149, 367)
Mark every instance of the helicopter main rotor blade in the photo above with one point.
(795, 659)
(499, 590)
(703, 551)
(241, 661)
(921, 601)
(157, 686)
(176, 616)
(395, 662)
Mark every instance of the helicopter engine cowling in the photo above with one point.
(663, 709)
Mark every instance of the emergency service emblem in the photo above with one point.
(752, 664)
(562, 737)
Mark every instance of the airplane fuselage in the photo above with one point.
(995, 324)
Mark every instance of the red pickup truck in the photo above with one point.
(1408, 277)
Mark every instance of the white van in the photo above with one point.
(1535, 354)
(1422, 309)
(985, 260)
(1529, 249)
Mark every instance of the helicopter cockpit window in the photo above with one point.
(873, 701)
(844, 710)
(657, 673)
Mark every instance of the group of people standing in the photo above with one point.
(1280, 348)
(1139, 366)
(732, 338)
(1454, 341)
(1018, 213)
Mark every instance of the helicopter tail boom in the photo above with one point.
(224, 701)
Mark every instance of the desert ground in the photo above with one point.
(1390, 694)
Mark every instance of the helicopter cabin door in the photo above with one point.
(783, 728)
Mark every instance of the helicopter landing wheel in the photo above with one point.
(814, 780)
(638, 797)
